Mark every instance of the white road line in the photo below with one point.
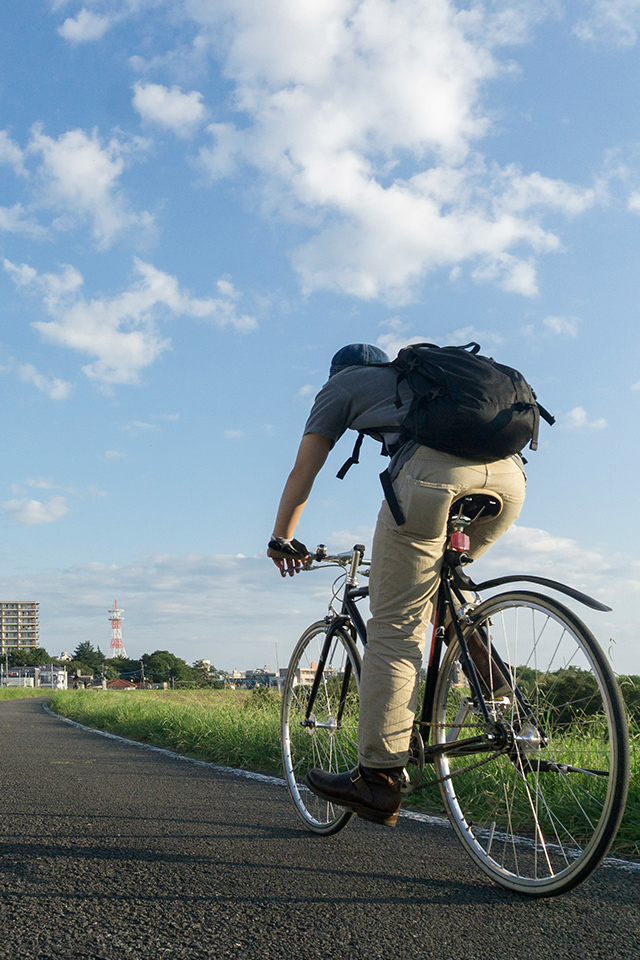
(249, 775)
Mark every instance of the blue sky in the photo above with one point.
(202, 200)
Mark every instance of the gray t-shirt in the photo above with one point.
(360, 398)
(363, 398)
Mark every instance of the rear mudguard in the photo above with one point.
(466, 583)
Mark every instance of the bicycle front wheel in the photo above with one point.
(538, 810)
(323, 734)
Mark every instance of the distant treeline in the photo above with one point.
(158, 667)
(575, 691)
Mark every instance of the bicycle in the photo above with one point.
(522, 725)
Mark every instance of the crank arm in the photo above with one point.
(460, 748)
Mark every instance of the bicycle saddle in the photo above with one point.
(478, 506)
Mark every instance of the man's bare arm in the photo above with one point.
(312, 454)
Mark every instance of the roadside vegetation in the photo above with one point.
(19, 693)
(234, 728)
(240, 728)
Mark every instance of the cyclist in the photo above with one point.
(405, 562)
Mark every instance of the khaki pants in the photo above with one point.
(405, 571)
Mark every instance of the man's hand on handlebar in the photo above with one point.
(288, 555)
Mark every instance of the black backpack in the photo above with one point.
(467, 404)
(462, 403)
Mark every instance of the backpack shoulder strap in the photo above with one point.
(546, 415)
(539, 411)
(391, 498)
(353, 459)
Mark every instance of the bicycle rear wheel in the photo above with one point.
(328, 738)
(540, 810)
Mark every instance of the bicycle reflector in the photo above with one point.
(459, 541)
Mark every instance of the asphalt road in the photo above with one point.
(110, 851)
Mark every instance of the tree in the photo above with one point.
(205, 675)
(86, 654)
(30, 658)
(162, 665)
(124, 667)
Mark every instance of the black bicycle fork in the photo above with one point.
(351, 622)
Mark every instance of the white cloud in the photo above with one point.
(55, 286)
(32, 512)
(470, 334)
(85, 26)
(80, 177)
(531, 550)
(122, 332)
(190, 604)
(398, 337)
(16, 220)
(342, 540)
(114, 455)
(141, 425)
(338, 96)
(170, 108)
(40, 483)
(634, 202)
(611, 21)
(612, 578)
(224, 608)
(53, 387)
(577, 419)
(233, 434)
(11, 153)
(229, 146)
(560, 325)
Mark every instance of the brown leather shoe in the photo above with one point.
(373, 794)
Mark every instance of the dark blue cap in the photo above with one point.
(357, 355)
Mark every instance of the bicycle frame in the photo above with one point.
(548, 719)
(449, 612)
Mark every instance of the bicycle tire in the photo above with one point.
(538, 817)
(325, 743)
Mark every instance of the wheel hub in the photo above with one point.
(528, 740)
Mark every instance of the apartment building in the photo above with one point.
(19, 627)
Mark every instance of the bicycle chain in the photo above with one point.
(456, 773)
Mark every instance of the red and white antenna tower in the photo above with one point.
(116, 647)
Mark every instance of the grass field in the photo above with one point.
(228, 727)
(20, 693)
(241, 729)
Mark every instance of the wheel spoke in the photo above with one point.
(533, 828)
(319, 742)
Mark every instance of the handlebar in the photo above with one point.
(340, 559)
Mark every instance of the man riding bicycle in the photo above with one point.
(360, 394)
